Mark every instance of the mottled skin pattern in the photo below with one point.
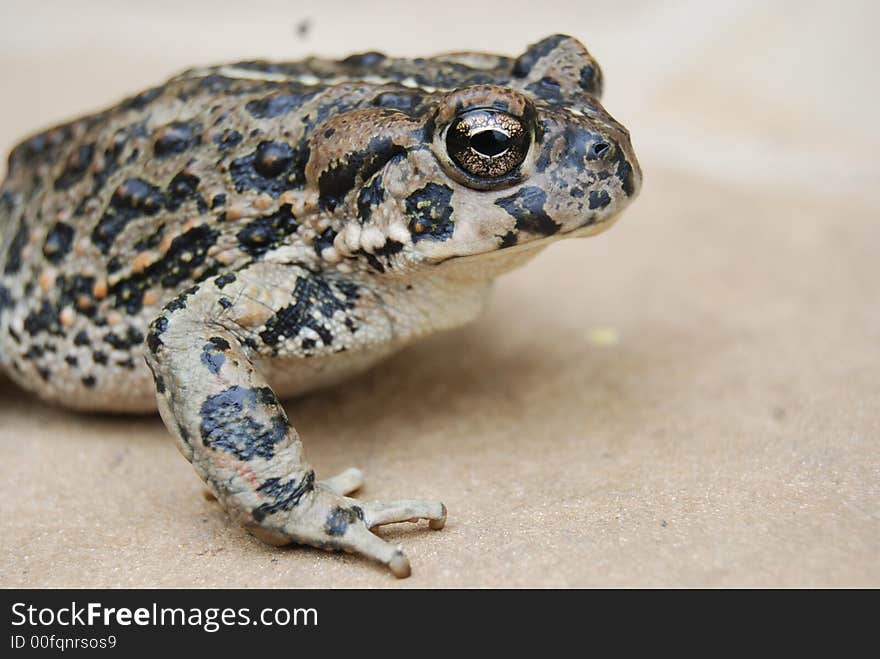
(258, 230)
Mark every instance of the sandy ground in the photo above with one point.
(692, 398)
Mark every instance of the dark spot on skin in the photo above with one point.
(130, 339)
(157, 328)
(99, 357)
(6, 301)
(544, 159)
(428, 129)
(287, 68)
(176, 137)
(509, 239)
(599, 199)
(527, 207)
(219, 343)
(429, 210)
(390, 247)
(227, 139)
(185, 255)
(176, 305)
(211, 84)
(324, 241)
(184, 186)
(365, 60)
(44, 319)
(328, 108)
(111, 158)
(339, 520)
(369, 197)
(81, 338)
(44, 373)
(405, 101)
(183, 432)
(16, 245)
(76, 291)
(272, 168)
(375, 263)
(75, 167)
(267, 231)
(625, 174)
(342, 175)
(58, 242)
(225, 302)
(591, 80)
(179, 302)
(143, 99)
(311, 293)
(525, 62)
(160, 383)
(212, 353)
(272, 158)
(71, 360)
(7, 202)
(225, 279)
(128, 295)
(547, 89)
(229, 423)
(276, 105)
(127, 363)
(218, 200)
(282, 495)
(578, 148)
(114, 265)
(132, 199)
(34, 352)
(89, 381)
(43, 148)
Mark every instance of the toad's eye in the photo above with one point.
(487, 144)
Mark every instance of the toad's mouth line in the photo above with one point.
(590, 229)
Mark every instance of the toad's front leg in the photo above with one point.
(229, 423)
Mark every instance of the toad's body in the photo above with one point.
(257, 230)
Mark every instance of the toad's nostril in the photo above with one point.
(600, 149)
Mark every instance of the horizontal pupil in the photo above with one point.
(490, 142)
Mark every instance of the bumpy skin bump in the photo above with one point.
(256, 230)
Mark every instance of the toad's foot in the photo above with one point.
(328, 519)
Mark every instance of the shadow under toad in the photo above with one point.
(463, 373)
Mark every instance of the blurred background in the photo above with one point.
(692, 398)
(746, 91)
